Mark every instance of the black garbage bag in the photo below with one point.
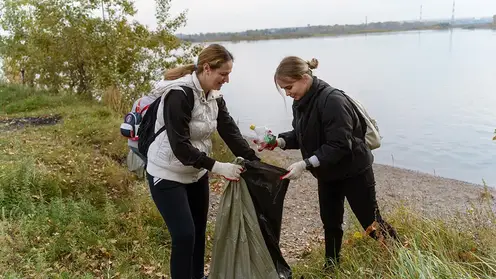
(267, 192)
(248, 226)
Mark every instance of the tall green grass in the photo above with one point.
(464, 247)
(68, 205)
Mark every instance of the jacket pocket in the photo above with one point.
(164, 151)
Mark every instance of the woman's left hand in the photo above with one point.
(295, 170)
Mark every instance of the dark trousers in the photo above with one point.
(184, 208)
(360, 193)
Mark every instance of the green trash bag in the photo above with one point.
(239, 250)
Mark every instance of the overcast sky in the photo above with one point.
(239, 15)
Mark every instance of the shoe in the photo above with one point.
(330, 266)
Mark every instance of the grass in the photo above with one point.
(69, 208)
(464, 247)
(68, 205)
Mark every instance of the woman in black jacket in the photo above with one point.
(330, 136)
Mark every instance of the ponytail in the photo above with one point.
(214, 55)
(179, 72)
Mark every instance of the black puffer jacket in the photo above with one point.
(326, 125)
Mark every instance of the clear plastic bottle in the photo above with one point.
(264, 134)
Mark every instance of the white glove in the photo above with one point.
(295, 170)
(228, 170)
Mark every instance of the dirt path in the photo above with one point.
(430, 195)
(8, 124)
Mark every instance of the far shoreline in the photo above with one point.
(239, 39)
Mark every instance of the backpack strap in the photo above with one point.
(191, 100)
(190, 95)
(139, 109)
(363, 124)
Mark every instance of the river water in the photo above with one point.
(432, 93)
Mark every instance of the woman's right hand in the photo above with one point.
(228, 170)
(262, 145)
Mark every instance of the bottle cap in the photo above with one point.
(252, 127)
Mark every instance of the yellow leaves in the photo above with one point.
(217, 184)
(104, 253)
(357, 235)
(99, 260)
(307, 251)
(148, 270)
(99, 267)
(152, 271)
(373, 230)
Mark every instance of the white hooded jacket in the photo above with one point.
(162, 162)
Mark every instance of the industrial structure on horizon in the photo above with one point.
(453, 15)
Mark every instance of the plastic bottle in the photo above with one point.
(264, 134)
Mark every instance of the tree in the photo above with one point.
(71, 45)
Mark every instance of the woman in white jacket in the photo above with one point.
(191, 109)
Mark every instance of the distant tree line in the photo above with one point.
(320, 30)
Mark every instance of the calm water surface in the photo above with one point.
(432, 93)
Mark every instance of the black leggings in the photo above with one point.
(360, 193)
(184, 208)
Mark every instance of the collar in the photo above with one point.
(306, 99)
(196, 82)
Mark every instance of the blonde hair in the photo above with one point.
(214, 55)
(293, 67)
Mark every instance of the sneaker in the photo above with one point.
(329, 266)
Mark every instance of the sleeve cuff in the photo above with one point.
(281, 143)
(314, 161)
(208, 163)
